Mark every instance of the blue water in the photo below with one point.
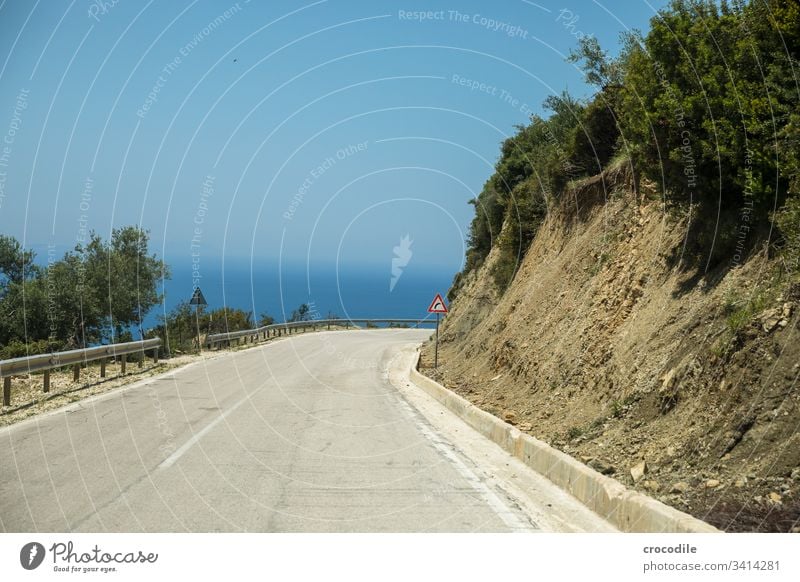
(355, 292)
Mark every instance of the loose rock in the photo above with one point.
(679, 487)
(638, 471)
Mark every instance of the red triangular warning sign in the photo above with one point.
(437, 306)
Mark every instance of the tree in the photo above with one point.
(125, 275)
(74, 312)
(93, 293)
(265, 319)
(595, 141)
(302, 313)
(705, 105)
(48, 303)
(15, 262)
(226, 319)
(178, 329)
(599, 69)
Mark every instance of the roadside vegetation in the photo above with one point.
(100, 293)
(96, 293)
(704, 105)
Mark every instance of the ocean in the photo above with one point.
(355, 292)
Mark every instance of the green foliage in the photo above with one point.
(485, 226)
(740, 312)
(226, 319)
(788, 221)
(575, 432)
(708, 93)
(184, 323)
(534, 168)
(594, 142)
(15, 263)
(124, 276)
(265, 319)
(705, 105)
(302, 313)
(599, 68)
(19, 349)
(92, 294)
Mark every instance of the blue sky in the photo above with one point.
(311, 131)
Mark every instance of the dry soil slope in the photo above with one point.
(607, 347)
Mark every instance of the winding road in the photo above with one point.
(320, 432)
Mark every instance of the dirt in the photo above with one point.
(608, 348)
(29, 399)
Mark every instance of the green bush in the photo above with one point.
(788, 222)
(18, 349)
(705, 104)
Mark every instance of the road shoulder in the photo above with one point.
(551, 508)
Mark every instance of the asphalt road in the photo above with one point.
(302, 434)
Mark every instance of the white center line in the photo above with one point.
(169, 461)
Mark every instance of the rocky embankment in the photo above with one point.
(608, 345)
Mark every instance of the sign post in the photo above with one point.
(438, 307)
(197, 300)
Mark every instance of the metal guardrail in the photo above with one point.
(75, 358)
(278, 329)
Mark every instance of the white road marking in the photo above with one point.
(503, 511)
(169, 461)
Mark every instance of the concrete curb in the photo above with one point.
(627, 510)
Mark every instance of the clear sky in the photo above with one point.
(319, 130)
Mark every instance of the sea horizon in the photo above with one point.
(347, 291)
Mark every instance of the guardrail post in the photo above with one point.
(76, 372)
(103, 368)
(140, 361)
(123, 359)
(7, 391)
(46, 381)
(155, 355)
